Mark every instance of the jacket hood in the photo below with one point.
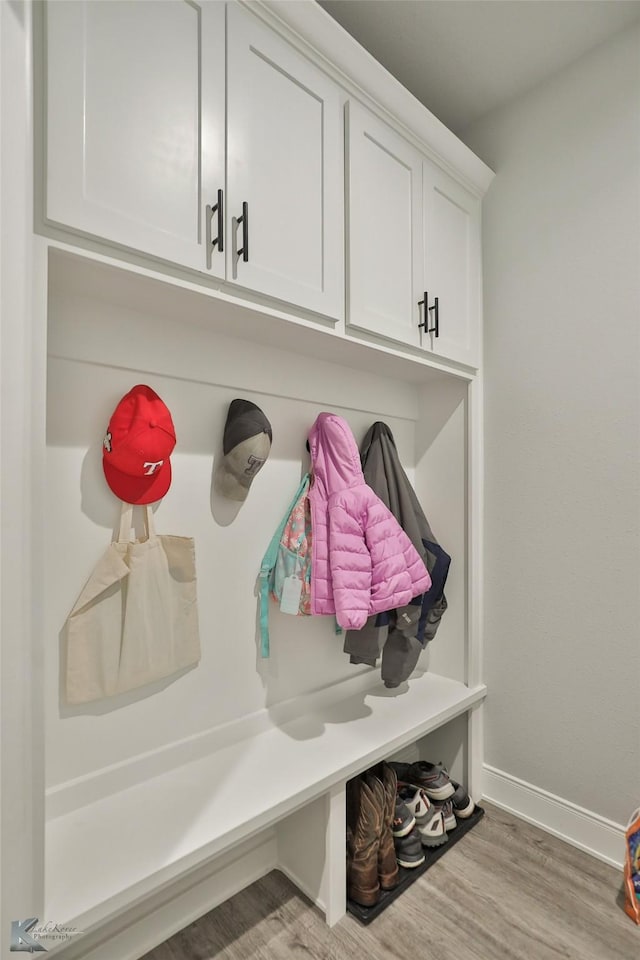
(335, 458)
(373, 435)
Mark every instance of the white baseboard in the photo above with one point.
(135, 933)
(582, 828)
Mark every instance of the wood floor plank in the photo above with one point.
(507, 891)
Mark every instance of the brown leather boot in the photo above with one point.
(385, 792)
(363, 836)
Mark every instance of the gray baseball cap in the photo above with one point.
(246, 444)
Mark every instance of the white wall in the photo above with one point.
(562, 361)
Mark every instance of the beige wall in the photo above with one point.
(562, 320)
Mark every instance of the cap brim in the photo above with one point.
(229, 486)
(138, 490)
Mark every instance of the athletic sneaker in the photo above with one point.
(448, 816)
(403, 819)
(430, 821)
(415, 800)
(431, 777)
(463, 805)
(408, 849)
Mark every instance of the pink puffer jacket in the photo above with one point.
(362, 560)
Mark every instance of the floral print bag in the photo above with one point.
(288, 558)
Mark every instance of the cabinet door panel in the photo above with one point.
(284, 160)
(452, 265)
(128, 117)
(384, 234)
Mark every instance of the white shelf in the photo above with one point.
(106, 855)
(232, 312)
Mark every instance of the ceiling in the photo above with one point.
(462, 58)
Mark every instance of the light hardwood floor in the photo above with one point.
(507, 891)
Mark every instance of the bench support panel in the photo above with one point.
(311, 851)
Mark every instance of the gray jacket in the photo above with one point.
(402, 633)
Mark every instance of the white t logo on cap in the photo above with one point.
(153, 466)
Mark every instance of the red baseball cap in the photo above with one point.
(137, 445)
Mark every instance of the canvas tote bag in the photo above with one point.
(136, 620)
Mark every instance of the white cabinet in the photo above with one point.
(384, 229)
(195, 133)
(135, 126)
(451, 267)
(285, 164)
(413, 232)
(146, 121)
(138, 138)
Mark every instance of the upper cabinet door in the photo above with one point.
(452, 267)
(384, 208)
(285, 171)
(135, 106)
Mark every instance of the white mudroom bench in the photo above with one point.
(231, 785)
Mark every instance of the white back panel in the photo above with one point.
(90, 343)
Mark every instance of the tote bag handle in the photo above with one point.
(126, 522)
